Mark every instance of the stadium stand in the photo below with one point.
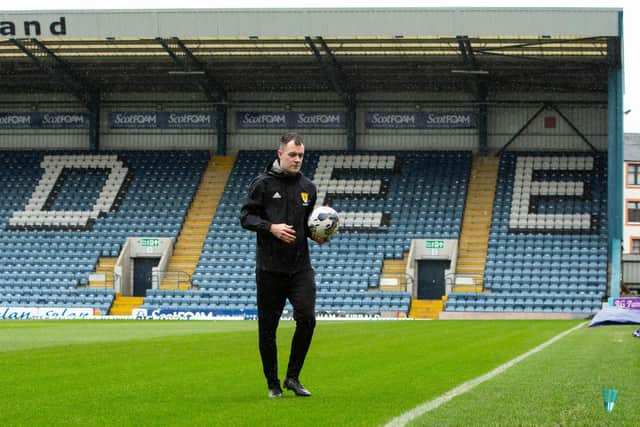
(548, 241)
(384, 200)
(61, 211)
(547, 248)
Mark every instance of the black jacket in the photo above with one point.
(275, 197)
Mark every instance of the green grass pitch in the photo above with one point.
(166, 373)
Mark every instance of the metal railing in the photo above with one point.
(375, 281)
(464, 280)
(173, 279)
(102, 280)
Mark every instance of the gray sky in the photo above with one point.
(631, 18)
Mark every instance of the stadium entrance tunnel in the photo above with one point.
(142, 265)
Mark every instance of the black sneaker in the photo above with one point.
(294, 385)
(275, 391)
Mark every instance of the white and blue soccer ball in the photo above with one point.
(324, 222)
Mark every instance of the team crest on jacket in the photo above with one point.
(305, 198)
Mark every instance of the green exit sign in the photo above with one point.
(435, 244)
(150, 243)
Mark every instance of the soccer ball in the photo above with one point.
(324, 222)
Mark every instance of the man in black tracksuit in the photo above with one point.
(277, 207)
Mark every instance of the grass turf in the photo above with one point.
(209, 373)
(560, 386)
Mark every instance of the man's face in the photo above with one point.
(291, 157)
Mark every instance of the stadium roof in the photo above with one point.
(346, 51)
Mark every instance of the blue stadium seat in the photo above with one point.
(63, 258)
(551, 257)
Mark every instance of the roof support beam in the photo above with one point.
(478, 87)
(94, 121)
(182, 56)
(549, 106)
(483, 120)
(468, 56)
(522, 129)
(221, 130)
(573, 127)
(57, 68)
(332, 70)
(336, 76)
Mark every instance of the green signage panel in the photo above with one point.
(435, 244)
(150, 242)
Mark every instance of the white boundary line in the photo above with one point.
(414, 413)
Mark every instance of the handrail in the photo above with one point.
(475, 280)
(173, 279)
(105, 282)
(376, 280)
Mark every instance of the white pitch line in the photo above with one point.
(414, 413)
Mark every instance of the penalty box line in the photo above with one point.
(414, 413)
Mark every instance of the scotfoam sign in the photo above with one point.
(16, 120)
(129, 120)
(38, 120)
(25, 313)
(203, 314)
(64, 120)
(392, 120)
(420, 120)
(249, 120)
(326, 120)
(162, 120)
(290, 120)
(186, 120)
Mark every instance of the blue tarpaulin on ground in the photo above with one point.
(615, 315)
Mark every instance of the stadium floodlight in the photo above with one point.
(477, 72)
(186, 72)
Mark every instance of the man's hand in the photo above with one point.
(284, 232)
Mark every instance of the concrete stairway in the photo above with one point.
(394, 271)
(105, 268)
(189, 244)
(425, 309)
(474, 236)
(123, 306)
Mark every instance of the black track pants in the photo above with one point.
(273, 291)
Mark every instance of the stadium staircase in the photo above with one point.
(425, 309)
(189, 243)
(123, 306)
(393, 277)
(474, 236)
(105, 267)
